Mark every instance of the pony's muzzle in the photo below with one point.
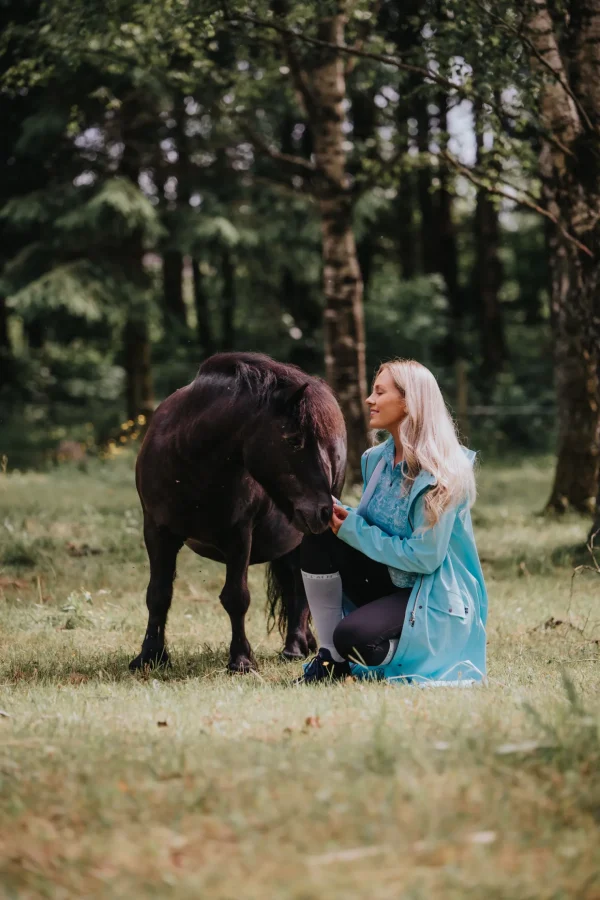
(314, 520)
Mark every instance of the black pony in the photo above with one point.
(239, 465)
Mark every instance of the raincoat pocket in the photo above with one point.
(451, 602)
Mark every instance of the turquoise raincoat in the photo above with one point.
(443, 639)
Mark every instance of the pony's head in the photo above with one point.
(288, 451)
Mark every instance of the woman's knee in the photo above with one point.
(350, 644)
(345, 639)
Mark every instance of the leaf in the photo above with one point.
(522, 747)
(345, 855)
(482, 837)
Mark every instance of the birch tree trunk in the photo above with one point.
(570, 171)
(345, 366)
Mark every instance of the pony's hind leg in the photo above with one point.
(162, 546)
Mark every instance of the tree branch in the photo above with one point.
(370, 181)
(431, 76)
(364, 30)
(520, 200)
(540, 58)
(297, 164)
(285, 187)
(279, 8)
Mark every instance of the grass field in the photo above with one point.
(198, 784)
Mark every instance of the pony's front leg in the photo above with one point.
(163, 547)
(235, 598)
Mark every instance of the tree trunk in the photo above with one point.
(405, 207)
(447, 264)
(575, 375)
(488, 280)
(345, 365)
(228, 301)
(35, 334)
(365, 254)
(428, 231)
(203, 322)
(488, 273)
(406, 34)
(7, 367)
(576, 474)
(5, 347)
(570, 171)
(139, 392)
(174, 303)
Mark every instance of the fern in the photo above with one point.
(73, 287)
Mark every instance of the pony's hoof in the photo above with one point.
(242, 665)
(289, 655)
(294, 650)
(158, 660)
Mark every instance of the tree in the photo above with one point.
(488, 267)
(565, 52)
(319, 79)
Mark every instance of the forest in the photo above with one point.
(334, 183)
(330, 183)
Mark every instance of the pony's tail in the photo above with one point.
(279, 583)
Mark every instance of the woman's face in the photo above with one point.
(387, 406)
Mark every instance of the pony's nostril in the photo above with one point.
(325, 514)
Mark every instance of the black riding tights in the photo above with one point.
(365, 633)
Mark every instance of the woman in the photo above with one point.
(395, 586)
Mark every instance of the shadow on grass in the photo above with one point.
(571, 555)
(208, 663)
(524, 563)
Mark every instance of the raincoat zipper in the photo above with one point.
(413, 613)
(414, 608)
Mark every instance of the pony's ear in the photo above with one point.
(289, 397)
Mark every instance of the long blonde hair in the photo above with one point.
(429, 439)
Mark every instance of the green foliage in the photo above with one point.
(62, 392)
(74, 287)
(118, 210)
(405, 318)
(131, 127)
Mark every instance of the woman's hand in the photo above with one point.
(339, 514)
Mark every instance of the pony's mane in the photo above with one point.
(261, 377)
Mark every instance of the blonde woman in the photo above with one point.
(395, 586)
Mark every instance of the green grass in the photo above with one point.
(197, 784)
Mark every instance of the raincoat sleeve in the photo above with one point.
(422, 553)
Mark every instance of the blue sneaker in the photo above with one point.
(324, 668)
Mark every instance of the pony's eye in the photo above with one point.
(294, 440)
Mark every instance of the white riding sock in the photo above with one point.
(324, 595)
